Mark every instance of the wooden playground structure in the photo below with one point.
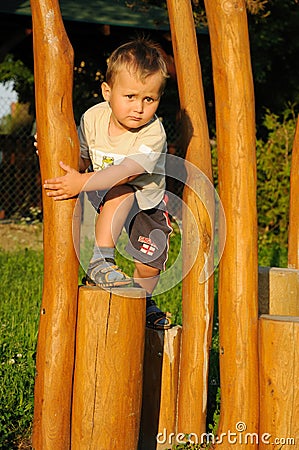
(103, 385)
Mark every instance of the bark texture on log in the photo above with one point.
(160, 388)
(108, 369)
(279, 382)
(197, 296)
(293, 238)
(57, 140)
(238, 283)
(278, 291)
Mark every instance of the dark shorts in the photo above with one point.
(148, 232)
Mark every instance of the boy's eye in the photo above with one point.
(146, 99)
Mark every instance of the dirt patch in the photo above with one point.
(17, 236)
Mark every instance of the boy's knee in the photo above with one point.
(145, 271)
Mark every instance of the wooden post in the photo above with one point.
(160, 388)
(263, 290)
(278, 291)
(279, 382)
(293, 249)
(57, 140)
(108, 369)
(238, 302)
(197, 297)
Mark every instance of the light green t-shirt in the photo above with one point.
(146, 145)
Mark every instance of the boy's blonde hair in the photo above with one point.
(142, 57)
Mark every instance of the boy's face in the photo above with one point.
(133, 102)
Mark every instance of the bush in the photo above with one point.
(273, 178)
(273, 154)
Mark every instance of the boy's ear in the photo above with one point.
(106, 91)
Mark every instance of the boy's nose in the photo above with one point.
(139, 106)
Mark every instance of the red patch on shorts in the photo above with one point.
(148, 246)
(147, 249)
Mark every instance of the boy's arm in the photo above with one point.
(73, 182)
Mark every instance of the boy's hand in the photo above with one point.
(67, 186)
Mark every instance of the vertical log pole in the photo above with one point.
(278, 291)
(107, 392)
(160, 387)
(197, 297)
(238, 302)
(57, 140)
(293, 249)
(279, 381)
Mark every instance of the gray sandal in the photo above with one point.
(106, 274)
(155, 318)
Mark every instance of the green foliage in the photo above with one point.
(273, 178)
(20, 293)
(273, 154)
(18, 123)
(213, 427)
(22, 77)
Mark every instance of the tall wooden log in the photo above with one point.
(238, 302)
(293, 238)
(197, 297)
(57, 140)
(278, 291)
(279, 382)
(160, 388)
(108, 369)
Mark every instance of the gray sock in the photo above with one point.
(97, 265)
(102, 252)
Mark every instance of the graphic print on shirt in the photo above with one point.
(107, 161)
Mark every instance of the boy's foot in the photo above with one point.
(155, 318)
(106, 274)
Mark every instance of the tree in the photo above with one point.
(22, 77)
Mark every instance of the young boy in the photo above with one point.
(124, 143)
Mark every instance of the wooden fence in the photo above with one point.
(116, 392)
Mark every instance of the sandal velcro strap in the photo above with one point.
(106, 269)
(99, 273)
(155, 318)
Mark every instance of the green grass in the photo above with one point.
(20, 294)
(20, 297)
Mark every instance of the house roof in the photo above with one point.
(117, 12)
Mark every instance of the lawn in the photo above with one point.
(20, 293)
(21, 261)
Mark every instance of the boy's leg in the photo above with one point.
(147, 277)
(149, 234)
(102, 269)
(114, 212)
